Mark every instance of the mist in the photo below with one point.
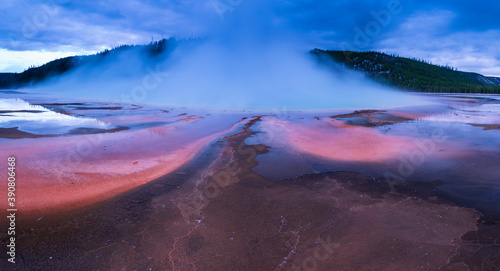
(252, 60)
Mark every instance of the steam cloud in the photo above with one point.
(251, 60)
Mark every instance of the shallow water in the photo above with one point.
(190, 189)
(456, 143)
(454, 139)
(39, 120)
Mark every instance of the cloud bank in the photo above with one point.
(260, 65)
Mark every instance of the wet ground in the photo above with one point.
(413, 188)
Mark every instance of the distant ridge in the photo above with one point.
(399, 72)
(60, 66)
(411, 74)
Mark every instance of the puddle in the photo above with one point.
(38, 120)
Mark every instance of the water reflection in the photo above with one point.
(39, 120)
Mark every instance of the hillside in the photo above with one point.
(60, 66)
(411, 74)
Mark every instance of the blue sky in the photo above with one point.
(462, 34)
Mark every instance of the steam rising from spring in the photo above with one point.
(252, 60)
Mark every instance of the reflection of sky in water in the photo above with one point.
(483, 114)
(485, 111)
(39, 120)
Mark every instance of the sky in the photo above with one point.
(461, 34)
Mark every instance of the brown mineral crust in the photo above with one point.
(190, 118)
(220, 215)
(487, 127)
(15, 133)
(255, 224)
(371, 118)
